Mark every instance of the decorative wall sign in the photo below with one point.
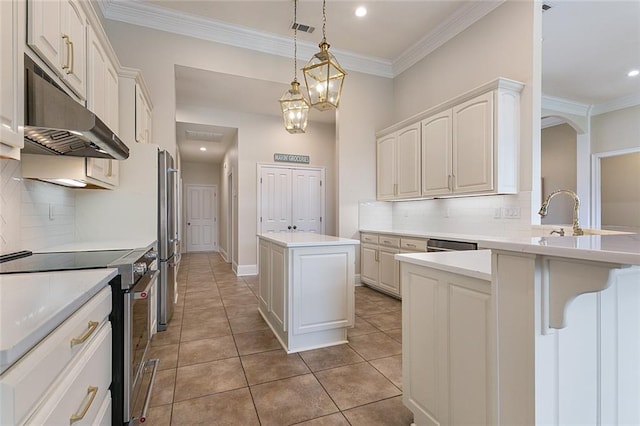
(291, 158)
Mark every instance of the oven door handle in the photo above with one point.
(143, 287)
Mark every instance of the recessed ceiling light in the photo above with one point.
(633, 73)
(202, 148)
(361, 11)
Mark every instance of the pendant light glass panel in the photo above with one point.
(295, 109)
(324, 76)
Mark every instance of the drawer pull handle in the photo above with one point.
(410, 245)
(79, 340)
(93, 391)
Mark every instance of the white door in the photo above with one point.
(201, 218)
(306, 200)
(290, 199)
(275, 199)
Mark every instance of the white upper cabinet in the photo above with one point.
(398, 164)
(135, 108)
(12, 81)
(102, 83)
(57, 32)
(467, 145)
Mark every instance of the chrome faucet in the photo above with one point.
(576, 206)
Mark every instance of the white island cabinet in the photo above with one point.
(306, 288)
(55, 347)
(447, 342)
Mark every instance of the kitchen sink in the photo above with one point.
(557, 231)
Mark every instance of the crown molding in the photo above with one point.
(161, 19)
(616, 104)
(445, 31)
(565, 105)
(551, 121)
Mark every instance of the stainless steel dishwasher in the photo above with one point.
(446, 245)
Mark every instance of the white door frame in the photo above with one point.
(596, 183)
(230, 219)
(215, 213)
(322, 170)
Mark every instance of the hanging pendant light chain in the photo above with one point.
(295, 40)
(324, 21)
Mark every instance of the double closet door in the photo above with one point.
(291, 199)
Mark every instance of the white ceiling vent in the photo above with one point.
(302, 27)
(196, 135)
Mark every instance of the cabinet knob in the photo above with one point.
(289, 227)
(295, 227)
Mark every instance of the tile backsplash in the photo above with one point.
(496, 215)
(33, 214)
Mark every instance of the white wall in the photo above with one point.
(621, 191)
(616, 130)
(200, 173)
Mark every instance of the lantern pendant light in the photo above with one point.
(295, 108)
(323, 75)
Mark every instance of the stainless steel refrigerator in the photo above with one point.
(168, 237)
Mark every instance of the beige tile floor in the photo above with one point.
(221, 365)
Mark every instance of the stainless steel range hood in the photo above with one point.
(56, 124)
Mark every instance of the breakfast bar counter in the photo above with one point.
(567, 328)
(306, 288)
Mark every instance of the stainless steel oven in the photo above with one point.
(137, 338)
(446, 245)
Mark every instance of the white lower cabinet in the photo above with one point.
(56, 379)
(447, 347)
(378, 267)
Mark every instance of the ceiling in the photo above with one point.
(588, 46)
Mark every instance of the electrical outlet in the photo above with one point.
(511, 212)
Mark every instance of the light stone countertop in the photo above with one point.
(623, 249)
(470, 263)
(34, 304)
(305, 239)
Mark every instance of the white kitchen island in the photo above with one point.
(550, 336)
(306, 288)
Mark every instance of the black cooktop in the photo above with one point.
(60, 261)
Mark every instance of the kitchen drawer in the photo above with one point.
(82, 389)
(413, 244)
(104, 412)
(366, 237)
(23, 385)
(389, 241)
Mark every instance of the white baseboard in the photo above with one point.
(224, 255)
(244, 270)
(357, 281)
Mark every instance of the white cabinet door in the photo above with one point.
(105, 170)
(388, 272)
(45, 31)
(448, 347)
(369, 264)
(408, 169)
(12, 81)
(436, 154)
(386, 168)
(291, 199)
(473, 145)
(143, 117)
(102, 83)
(74, 26)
